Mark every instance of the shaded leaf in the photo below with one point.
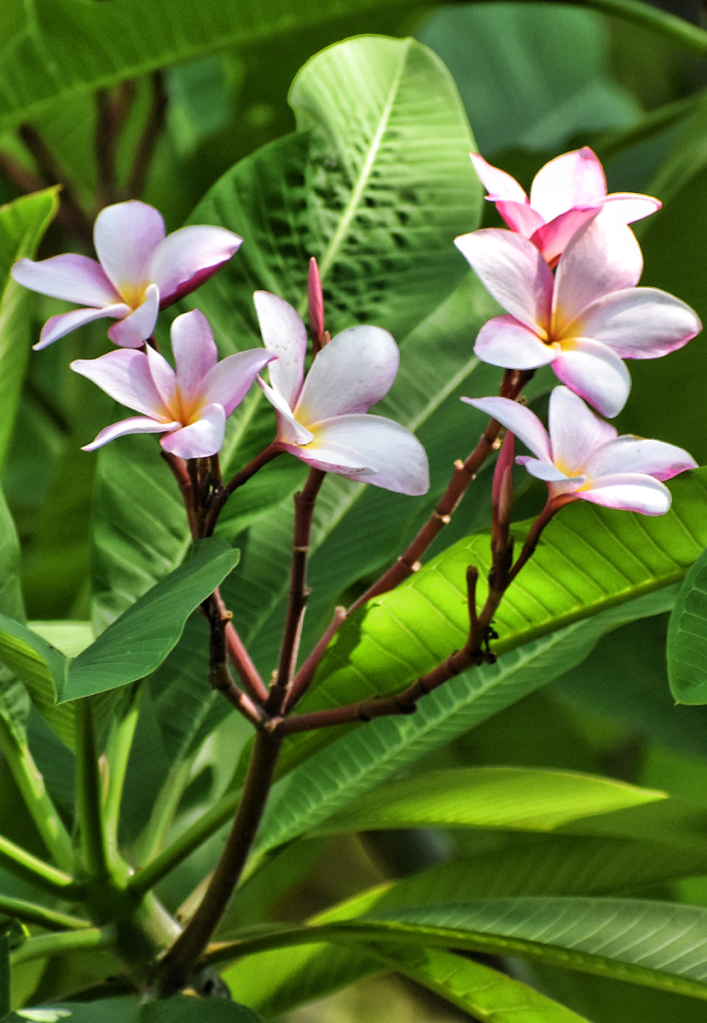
(687, 638)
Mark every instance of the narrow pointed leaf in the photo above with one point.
(687, 638)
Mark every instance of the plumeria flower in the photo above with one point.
(322, 420)
(584, 459)
(565, 193)
(189, 406)
(585, 319)
(139, 272)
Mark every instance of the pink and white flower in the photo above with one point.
(139, 271)
(583, 320)
(190, 406)
(565, 193)
(583, 458)
(322, 420)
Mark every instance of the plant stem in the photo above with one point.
(35, 871)
(89, 803)
(120, 743)
(46, 946)
(239, 656)
(305, 674)
(271, 451)
(31, 913)
(179, 962)
(37, 800)
(163, 812)
(149, 136)
(304, 513)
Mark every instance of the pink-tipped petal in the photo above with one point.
(628, 207)
(370, 449)
(552, 239)
(136, 424)
(71, 277)
(602, 257)
(195, 353)
(519, 217)
(519, 420)
(640, 323)
(504, 341)
(188, 257)
(285, 334)
(629, 492)
(639, 455)
(572, 179)
(125, 375)
(354, 371)
(125, 236)
(134, 330)
(229, 381)
(200, 439)
(575, 432)
(62, 324)
(513, 271)
(595, 373)
(288, 429)
(497, 183)
(164, 379)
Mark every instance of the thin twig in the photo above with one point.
(222, 495)
(219, 673)
(304, 676)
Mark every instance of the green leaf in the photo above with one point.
(140, 639)
(71, 638)
(11, 602)
(37, 664)
(488, 797)
(364, 757)
(179, 1009)
(490, 995)
(41, 62)
(687, 638)
(589, 559)
(22, 226)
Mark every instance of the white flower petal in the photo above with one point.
(628, 207)
(200, 439)
(640, 323)
(188, 257)
(229, 381)
(497, 183)
(125, 375)
(125, 236)
(513, 271)
(547, 471)
(285, 334)
(575, 432)
(71, 277)
(594, 372)
(520, 217)
(572, 179)
(62, 324)
(289, 431)
(639, 455)
(505, 341)
(553, 238)
(136, 424)
(134, 330)
(629, 492)
(519, 420)
(195, 353)
(349, 375)
(164, 379)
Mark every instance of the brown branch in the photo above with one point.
(219, 673)
(304, 676)
(148, 138)
(304, 513)
(222, 495)
(239, 656)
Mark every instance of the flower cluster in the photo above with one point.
(566, 272)
(141, 270)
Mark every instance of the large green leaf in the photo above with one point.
(687, 638)
(137, 643)
(22, 225)
(589, 559)
(179, 1009)
(489, 797)
(11, 602)
(490, 995)
(52, 51)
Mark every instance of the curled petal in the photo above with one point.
(548, 472)
(134, 330)
(603, 256)
(519, 420)
(195, 353)
(125, 375)
(575, 432)
(64, 323)
(640, 323)
(125, 236)
(370, 449)
(285, 334)
(136, 424)
(572, 179)
(628, 207)
(289, 431)
(638, 455)
(497, 183)
(201, 438)
(629, 492)
(188, 257)
(504, 341)
(519, 217)
(596, 373)
(229, 381)
(553, 238)
(71, 277)
(513, 271)
(354, 371)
